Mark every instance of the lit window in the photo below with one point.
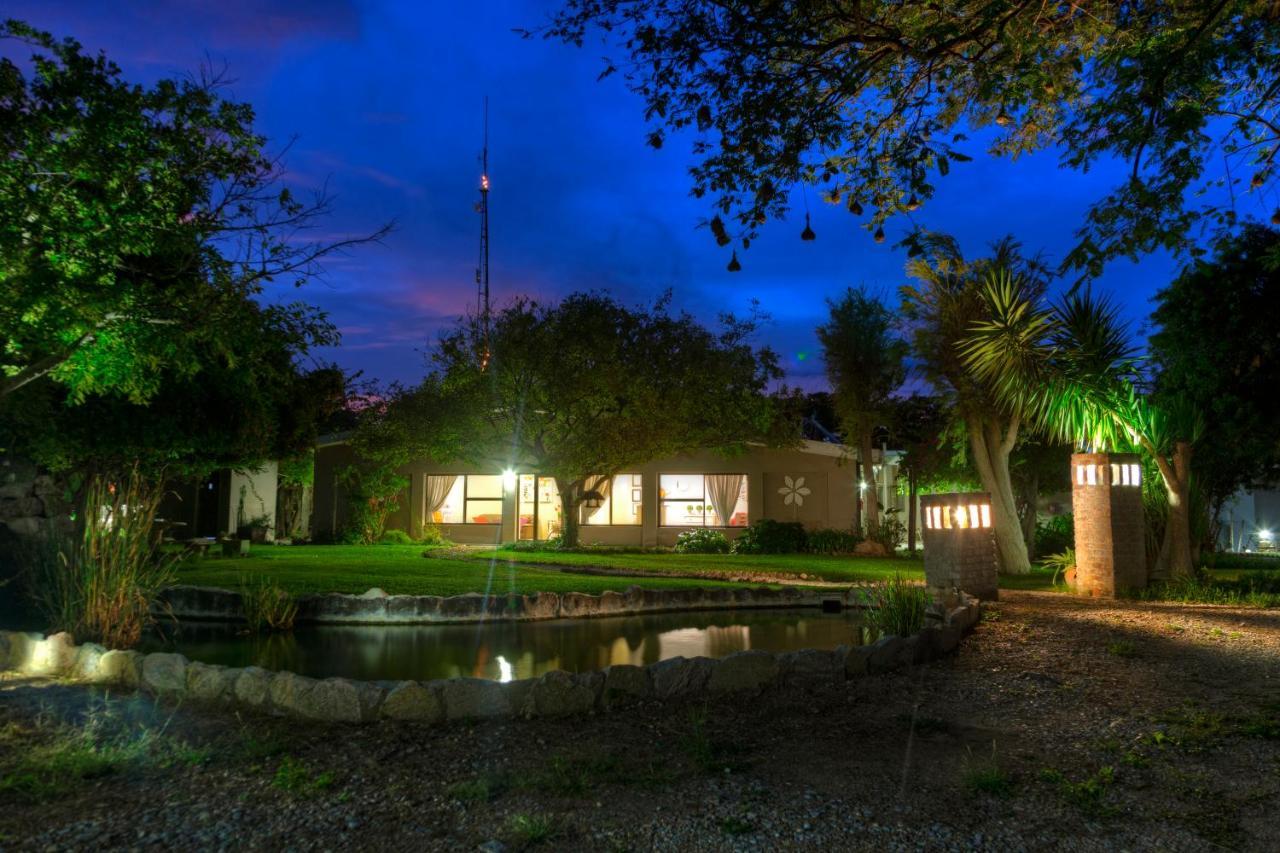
(474, 499)
(703, 500)
(619, 504)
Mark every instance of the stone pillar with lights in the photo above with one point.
(1106, 498)
(959, 545)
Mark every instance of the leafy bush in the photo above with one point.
(374, 495)
(1061, 563)
(100, 586)
(396, 537)
(767, 536)
(891, 532)
(432, 535)
(702, 541)
(1252, 589)
(896, 606)
(833, 541)
(267, 605)
(534, 546)
(1270, 561)
(1055, 534)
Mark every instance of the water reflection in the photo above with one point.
(508, 650)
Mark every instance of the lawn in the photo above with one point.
(400, 570)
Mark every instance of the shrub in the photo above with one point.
(896, 606)
(267, 605)
(767, 536)
(534, 546)
(432, 535)
(891, 532)
(1061, 563)
(1270, 561)
(374, 493)
(702, 541)
(100, 585)
(1055, 534)
(832, 541)
(395, 537)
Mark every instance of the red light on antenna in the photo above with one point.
(484, 182)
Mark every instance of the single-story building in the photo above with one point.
(649, 505)
(221, 504)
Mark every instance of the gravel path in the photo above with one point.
(1061, 724)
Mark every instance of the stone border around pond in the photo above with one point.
(554, 694)
(375, 607)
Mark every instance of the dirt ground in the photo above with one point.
(1061, 724)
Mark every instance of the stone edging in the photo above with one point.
(556, 693)
(375, 607)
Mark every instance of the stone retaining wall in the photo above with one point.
(556, 693)
(375, 607)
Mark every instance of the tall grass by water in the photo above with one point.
(896, 606)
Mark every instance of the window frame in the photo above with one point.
(613, 504)
(467, 499)
(746, 481)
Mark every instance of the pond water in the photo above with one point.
(509, 650)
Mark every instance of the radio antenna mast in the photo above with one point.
(482, 268)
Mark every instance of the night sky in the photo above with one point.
(385, 102)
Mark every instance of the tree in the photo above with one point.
(1071, 367)
(135, 222)
(941, 310)
(583, 389)
(919, 428)
(1037, 464)
(865, 363)
(1215, 346)
(874, 101)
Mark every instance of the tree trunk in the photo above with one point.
(869, 477)
(991, 450)
(1030, 492)
(1175, 551)
(570, 498)
(911, 512)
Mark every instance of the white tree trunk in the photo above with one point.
(991, 448)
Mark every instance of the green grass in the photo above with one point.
(294, 776)
(529, 829)
(400, 570)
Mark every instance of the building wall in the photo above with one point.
(821, 470)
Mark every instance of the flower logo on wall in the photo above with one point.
(794, 491)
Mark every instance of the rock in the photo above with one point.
(681, 676)
(856, 660)
(164, 673)
(87, 660)
(942, 640)
(492, 846)
(209, 683)
(890, 653)
(963, 617)
(374, 592)
(410, 700)
(469, 698)
(53, 655)
(252, 687)
(867, 548)
(558, 694)
(751, 670)
(335, 700)
(625, 683)
(121, 667)
(811, 667)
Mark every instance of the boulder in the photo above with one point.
(856, 660)
(939, 641)
(579, 604)
(164, 673)
(210, 683)
(12, 649)
(334, 700)
(625, 683)
(752, 670)
(559, 693)
(681, 676)
(470, 698)
(121, 667)
(868, 548)
(53, 655)
(374, 592)
(252, 687)
(411, 700)
(811, 668)
(87, 660)
(890, 653)
(413, 608)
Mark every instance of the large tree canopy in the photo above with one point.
(136, 221)
(872, 101)
(584, 388)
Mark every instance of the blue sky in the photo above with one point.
(384, 101)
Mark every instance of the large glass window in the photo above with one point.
(539, 508)
(473, 499)
(702, 500)
(619, 502)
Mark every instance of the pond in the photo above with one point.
(508, 650)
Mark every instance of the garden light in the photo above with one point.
(509, 480)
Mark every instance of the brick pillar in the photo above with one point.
(959, 545)
(1106, 498)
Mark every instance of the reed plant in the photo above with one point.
(896, 606)
(267, 605)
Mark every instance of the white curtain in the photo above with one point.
(434, 495)
(723, 491)
(604, 487)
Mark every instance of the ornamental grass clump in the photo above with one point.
(896, 606)
(267, 605)
(100, 585)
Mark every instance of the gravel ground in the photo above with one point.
(1062, 724)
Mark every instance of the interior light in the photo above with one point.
(1264, 534)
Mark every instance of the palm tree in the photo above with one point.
(1071, 368)
(865, 365)
(942, 308)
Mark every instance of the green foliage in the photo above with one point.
(1055, 534)
(531, 829)
(767, 536)
(873, 103)
(433, 537)
(481, 789)
(1122, 648)
(395, 537)
(896, 606)
(268, 606)
(1225, 560)
(101, 585)
(890, 532)
(374, 492)
(1252, 589)
(537, 546)
(986, 776)
(296, 777)
(1061, 564)
(831, 541)
(702, 541)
